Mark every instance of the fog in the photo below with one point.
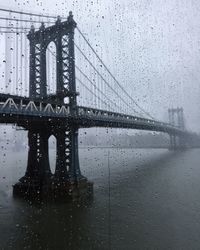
(141, 187)
(152, 47)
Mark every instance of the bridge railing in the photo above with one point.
(43, 108)
(37, 108)
(113, 116)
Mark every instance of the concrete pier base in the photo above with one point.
(53, 190)
(76, 190)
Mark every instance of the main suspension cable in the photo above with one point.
(112, 74)
(27, 13)
(103, 78)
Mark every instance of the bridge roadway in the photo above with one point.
(23, 111)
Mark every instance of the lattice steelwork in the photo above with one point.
(65, 63)
(67, 166)
(44, 114)
(37, 82)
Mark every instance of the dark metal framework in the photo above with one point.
(62, 34)
(176, 118)
(67, 162)
(44, 115)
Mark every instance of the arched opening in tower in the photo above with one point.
(51, 69)
(52, 153)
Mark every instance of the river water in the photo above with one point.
(143, 199)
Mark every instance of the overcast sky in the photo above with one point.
(153, 47)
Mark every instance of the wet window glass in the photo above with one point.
(99, 124)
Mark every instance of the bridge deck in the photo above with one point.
(22, 111)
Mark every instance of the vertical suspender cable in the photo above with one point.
(26, 64)
(12, 65)
(6, 37)
(16, 53)
(49, 78)
(99, 93)
(94, 80)
(82, 65)
(7, 59)
(21, 61)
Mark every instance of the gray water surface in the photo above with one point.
(153, 203)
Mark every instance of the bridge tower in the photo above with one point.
(176, 118)
(38, 176)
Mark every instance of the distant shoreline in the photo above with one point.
(126, 147)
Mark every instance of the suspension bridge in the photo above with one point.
(53, 83)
